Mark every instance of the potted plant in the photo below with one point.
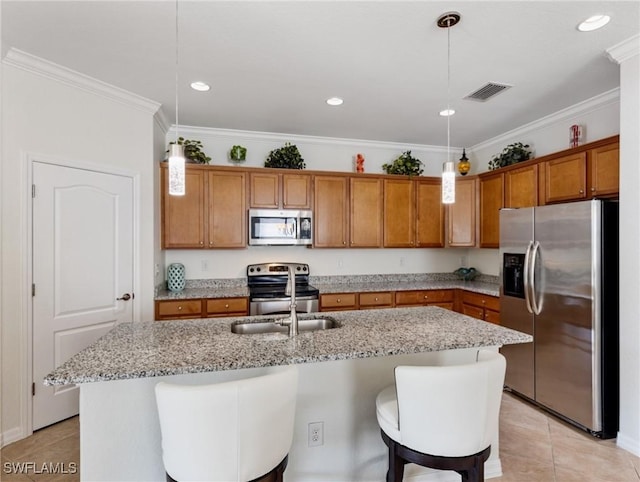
(193, 151)
(287, 157)
(512, 154)
(404, 164)
(238, 154)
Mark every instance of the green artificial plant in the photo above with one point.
(405, 164)
(287, 157)
(512, 154)
(193, 150)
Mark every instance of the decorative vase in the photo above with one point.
(464, 165)
(175, 277)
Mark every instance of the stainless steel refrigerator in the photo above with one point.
(559, 283)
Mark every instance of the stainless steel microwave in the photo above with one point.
(280, 227)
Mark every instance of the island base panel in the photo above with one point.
(120, 434)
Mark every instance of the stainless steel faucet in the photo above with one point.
(290, 290)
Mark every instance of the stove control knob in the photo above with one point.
(258, 270)
(251, 270)
(304, 268)
(298, 268)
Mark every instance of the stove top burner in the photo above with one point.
(269, 280)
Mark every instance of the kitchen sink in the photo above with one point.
(270, 326)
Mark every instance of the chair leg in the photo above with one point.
(476, 473)
(396, 464)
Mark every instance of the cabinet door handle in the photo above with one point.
(593, 189)
(581, 191)
(201, 243)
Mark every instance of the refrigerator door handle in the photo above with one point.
(527, 285)
(535, 303)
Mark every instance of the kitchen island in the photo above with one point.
(120, 435)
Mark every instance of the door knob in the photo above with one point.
(125, 297)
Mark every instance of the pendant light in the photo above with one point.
(448, 20)
(176, 151)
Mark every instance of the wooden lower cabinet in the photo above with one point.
(379, 299)
(338, 301)
(178, 309)
(226, 307)
(482, 307)
(201, 308)
(442, 298)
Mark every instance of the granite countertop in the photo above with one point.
(141, 350)
(486, 285)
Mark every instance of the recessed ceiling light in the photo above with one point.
(447, 112)
(335, 101)
(200, 86)
(593, 23)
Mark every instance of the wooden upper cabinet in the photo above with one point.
(491, 201)
(566, 178)
(183, 217)
(399, 213)
(521, 187)
(429, 214)
(604, 170)
(365, 200)
(331, 211)
(462, 215)
(227, 210)
(296, 191)
(279, 191)
(264, 189)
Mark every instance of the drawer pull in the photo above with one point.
(376, 298)
(179, 308)
(426, 297)
(227, 305)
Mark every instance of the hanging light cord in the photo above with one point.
(448, 90)
(177, 122)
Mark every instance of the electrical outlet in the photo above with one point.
(401, 260)
(316, 434)
(340, 263)
(205, 265)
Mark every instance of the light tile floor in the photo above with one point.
(533, 447)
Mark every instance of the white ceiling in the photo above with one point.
(272, 64)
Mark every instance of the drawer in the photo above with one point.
(473, 311)
(423, 297)
(227, 306)
(484, 301)
(492, 316)
(382, 299)
(338, 301)
(178, 309)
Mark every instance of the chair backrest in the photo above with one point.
(453, 410)
(236, 430)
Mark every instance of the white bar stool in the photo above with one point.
(442, 417)
(233, 431)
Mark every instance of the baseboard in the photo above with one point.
(629, 444)
(492, 468)
(10, 436)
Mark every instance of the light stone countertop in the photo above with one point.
(150, 349)
(339, 284)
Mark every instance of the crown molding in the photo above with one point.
(161, 120)
(207, 132)
(625, 49)
(594, 103)
(36, 65)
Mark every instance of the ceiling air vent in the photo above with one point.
(487, 91)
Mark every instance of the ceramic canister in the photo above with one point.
(175, 277)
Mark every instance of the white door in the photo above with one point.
(82, 268)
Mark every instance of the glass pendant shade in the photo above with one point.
(448, 183)
(464, 165)
(176, 170)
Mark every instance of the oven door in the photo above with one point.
(281, 306)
